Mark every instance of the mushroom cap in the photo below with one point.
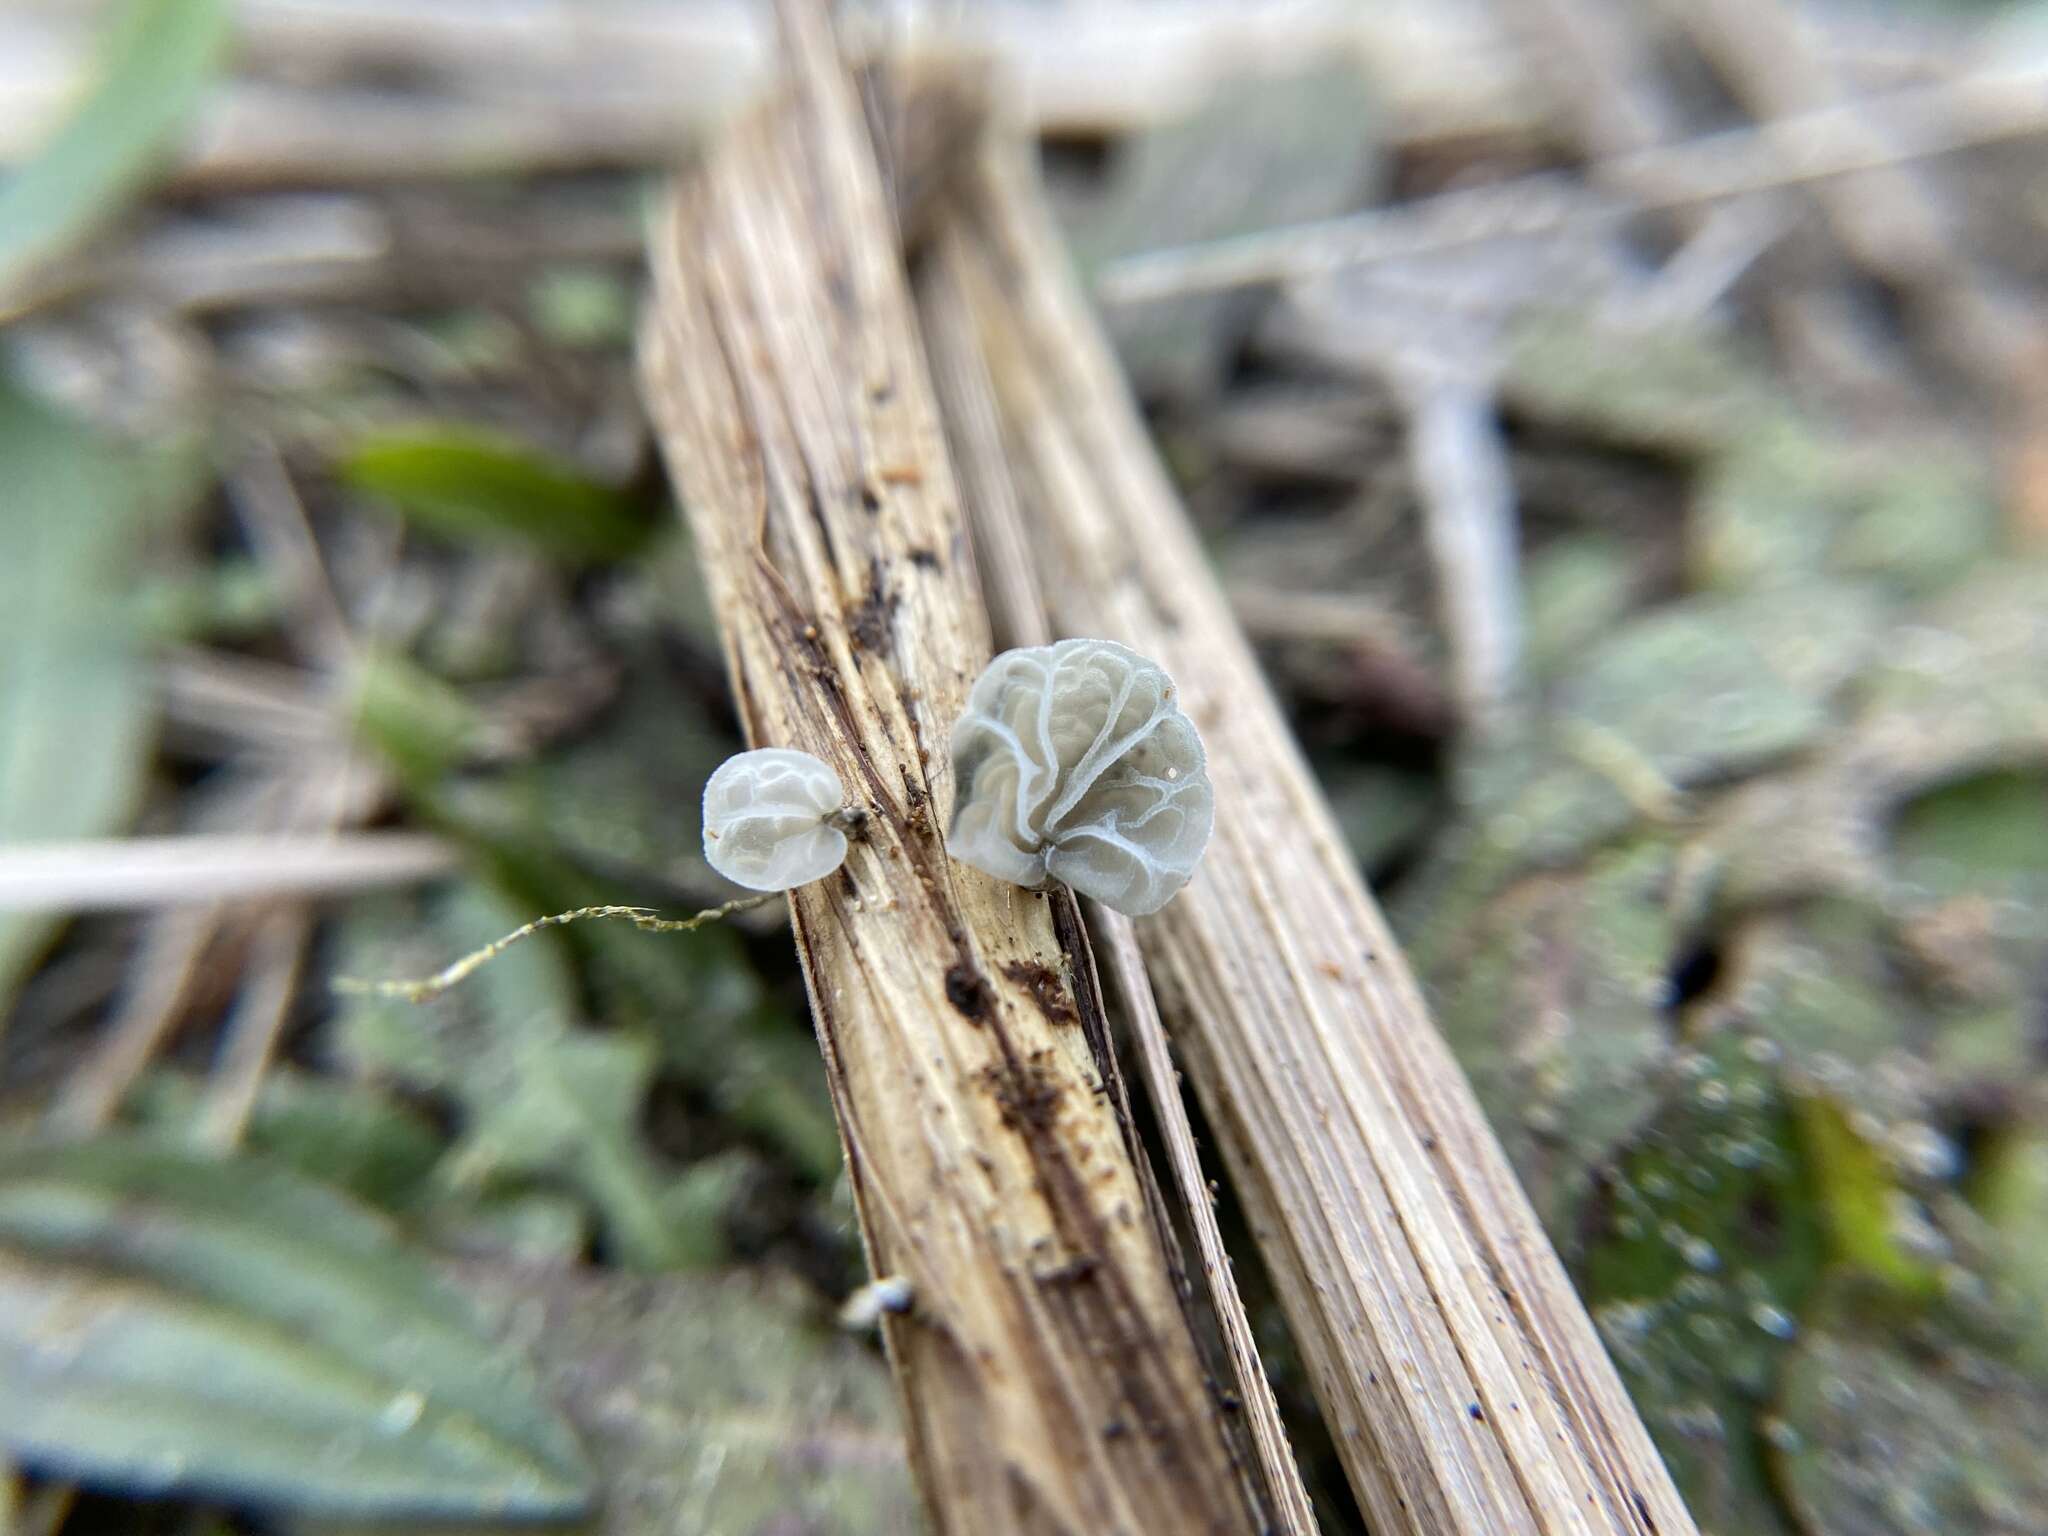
(764, 819)
(1072, 762)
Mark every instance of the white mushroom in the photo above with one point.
(1073, 763)
(771, 819)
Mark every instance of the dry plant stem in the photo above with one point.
(1018, 614)
(1050, 1380)
(261, 1009)
(309, 248)
(1610, 80)
(1291, 1511)
(117, 874)
(268, 507)
(1888, 216)
(1603, 70)
(1603, 54)
(244, 702)
(1462, 1379)
(1808, 148)
(624, 84)
(41, 1510)
(1460, 466)
(171, 948)
(426, 988)
(167, 968)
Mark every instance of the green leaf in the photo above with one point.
(1893, 1425)
(340, 1133)
(1983, 835)
(467, 484)
(1673, 389)
(1563, 1085)
(158, 58)
(171, 1322)
(615, 810)
(1698, 1264)
(76, 713)
(540, 1095)
(1857, 1194)
(422, 724)
(714, 1402)
(584, 307)
(2012, 1190)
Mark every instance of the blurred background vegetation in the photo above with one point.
(1659, 584)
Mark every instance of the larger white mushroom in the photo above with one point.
(1074, 763)
(773, 819)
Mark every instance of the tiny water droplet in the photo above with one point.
(1775, 1321)
(402, 1412)
(1925, 1151)
(1781, 1436)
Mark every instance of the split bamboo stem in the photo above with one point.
(1466, 1388)
(1019, 616)
(1050, 1378)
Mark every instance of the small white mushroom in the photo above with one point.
(1074, 763)
(772, 819)
(875, 1300)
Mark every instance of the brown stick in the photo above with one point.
(1461, 1377)
(1926, 121)
(1050, 1380)
(1017, 610)
(1889, 218)
(529, 86)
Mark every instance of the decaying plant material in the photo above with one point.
(1465, 1385)
(1050, 1379)
(1617, 426)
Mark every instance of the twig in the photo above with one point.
(1610, 85)
(1051, 1381)
(629, 85)
(1714, 258)
(1326, 618)
(1019, 615)
(646, 919)
(248, 703)
(1892, 222)
(1604, 72)
(1163, 1088)
(270, 982)
(1470, 519)
(1811, 147)
(1465, 1385)
(162, 971)
(268, 507)
(1619, 761)
(116, 874)
(1602, 53)
(254, 136)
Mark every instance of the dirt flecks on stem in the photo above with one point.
(871, 621)
(1047, 989)
(968, 991)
